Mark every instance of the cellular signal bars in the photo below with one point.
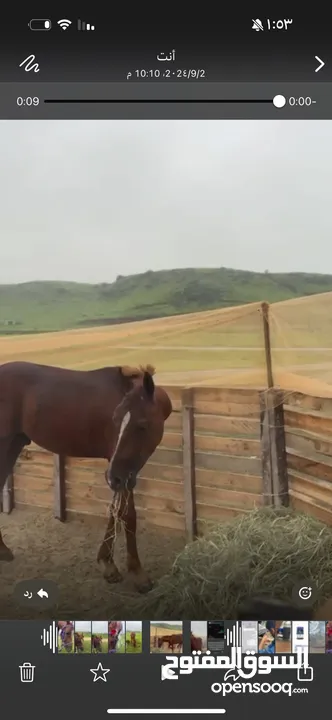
(81, 25)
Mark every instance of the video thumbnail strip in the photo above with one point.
(118, 637)
(81, 637)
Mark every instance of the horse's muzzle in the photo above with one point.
(118, 484)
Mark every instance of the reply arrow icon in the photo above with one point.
(42, 593)
(321, 63)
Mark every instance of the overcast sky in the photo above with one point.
(87, 200)
(83, 626)
(199, 628)
(99, 626)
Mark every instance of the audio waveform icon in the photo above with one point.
(49, 637)
(233, 637)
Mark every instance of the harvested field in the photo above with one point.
(223, 346)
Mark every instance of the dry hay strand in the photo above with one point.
(267, 551)
(116, 510)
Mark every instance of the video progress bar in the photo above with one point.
(135, 101)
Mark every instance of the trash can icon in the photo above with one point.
(27, 672)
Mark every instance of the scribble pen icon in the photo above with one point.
(29, 64)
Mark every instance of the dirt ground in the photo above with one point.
(66, 553)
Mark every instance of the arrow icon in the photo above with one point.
(42, 593)
(321, 63)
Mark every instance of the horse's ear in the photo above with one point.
(148, 368)
(148, 385)
(130, 372)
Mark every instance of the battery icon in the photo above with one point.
(40, 24)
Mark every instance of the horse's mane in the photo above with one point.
(129, 371)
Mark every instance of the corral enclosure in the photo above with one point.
(251, 421)
(224, 452)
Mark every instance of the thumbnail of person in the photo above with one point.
(268, 629)
(65, 636)
(116, 636)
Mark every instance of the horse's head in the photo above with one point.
(160, 642)
(139, 421)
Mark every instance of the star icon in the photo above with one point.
(99, 673)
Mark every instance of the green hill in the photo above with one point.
(43, 306)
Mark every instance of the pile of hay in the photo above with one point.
(266, 551)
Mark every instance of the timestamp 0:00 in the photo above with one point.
(301, 101)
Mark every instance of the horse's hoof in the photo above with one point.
(142, 583)
(145, 587)
(111, 574)
(113, 577)
(6, 555)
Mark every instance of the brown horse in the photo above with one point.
(115, 413)
(79, 642)
(171, 640)
(66, 629)
(97, 643)
(196, 643)
(132, 640)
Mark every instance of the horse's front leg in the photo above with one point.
(106, 550)
(136, 573)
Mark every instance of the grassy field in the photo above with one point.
(212, 347)
(130, 648)
(47, 306)
(104, 643)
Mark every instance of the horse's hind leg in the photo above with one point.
(10, 448)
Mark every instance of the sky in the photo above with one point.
(134, 625)
(83, 626)
(99, 626)
(199, 628)
(89, 200)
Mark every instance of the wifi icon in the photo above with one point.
(64, 24)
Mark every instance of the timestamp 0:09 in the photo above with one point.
(27, 101)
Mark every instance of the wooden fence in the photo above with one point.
(215, 461)
(224, 452)
(308, 435)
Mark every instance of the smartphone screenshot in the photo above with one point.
(249, 631)
(300, 635)
(165, 358)
(216, 636)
